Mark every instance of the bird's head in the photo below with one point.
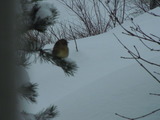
(63, 42)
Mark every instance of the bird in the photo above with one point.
(60, 49)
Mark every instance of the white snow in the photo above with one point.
(44, 10)
(104, 84)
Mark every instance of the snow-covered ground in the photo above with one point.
(104, 84)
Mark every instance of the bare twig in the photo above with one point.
(74, 39)
(157, 73)
(154, 94)
(156, 15)
(157, 110)
(135, 58)
(90, 20)
(123, 11)
(151, 49)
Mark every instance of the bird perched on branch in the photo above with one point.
(60, 49)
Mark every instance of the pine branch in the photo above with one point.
(28, 91)
(69, 67)
(41, 24)
(30, 21)
(36, 47)
(23, 59)
(47, 114)
(27, 116)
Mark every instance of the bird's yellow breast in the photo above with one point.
(63, 52)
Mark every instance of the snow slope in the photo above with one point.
(104, 83)
(124, 91)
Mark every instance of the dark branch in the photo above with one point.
(28, 91)
(135, 58)
(154, 94)
(47, 114)
(157, 110)
(69, 67)
(157, 73)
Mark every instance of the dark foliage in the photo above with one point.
(29, 92)
(31, 39)
(50, 112)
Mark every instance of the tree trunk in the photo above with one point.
(7, 81)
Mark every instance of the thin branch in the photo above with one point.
(151, 49)
(157, 73)
(137, 51)
(157, 110)
(123, 116)
(144, 36)
(133, 55)
(155, 36)
(136, 29)
(154, 94)
(138, 56)
(151, 13)
(74, 38)
(126, 57)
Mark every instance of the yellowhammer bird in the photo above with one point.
(60, 49)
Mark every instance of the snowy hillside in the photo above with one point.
(104, 84)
